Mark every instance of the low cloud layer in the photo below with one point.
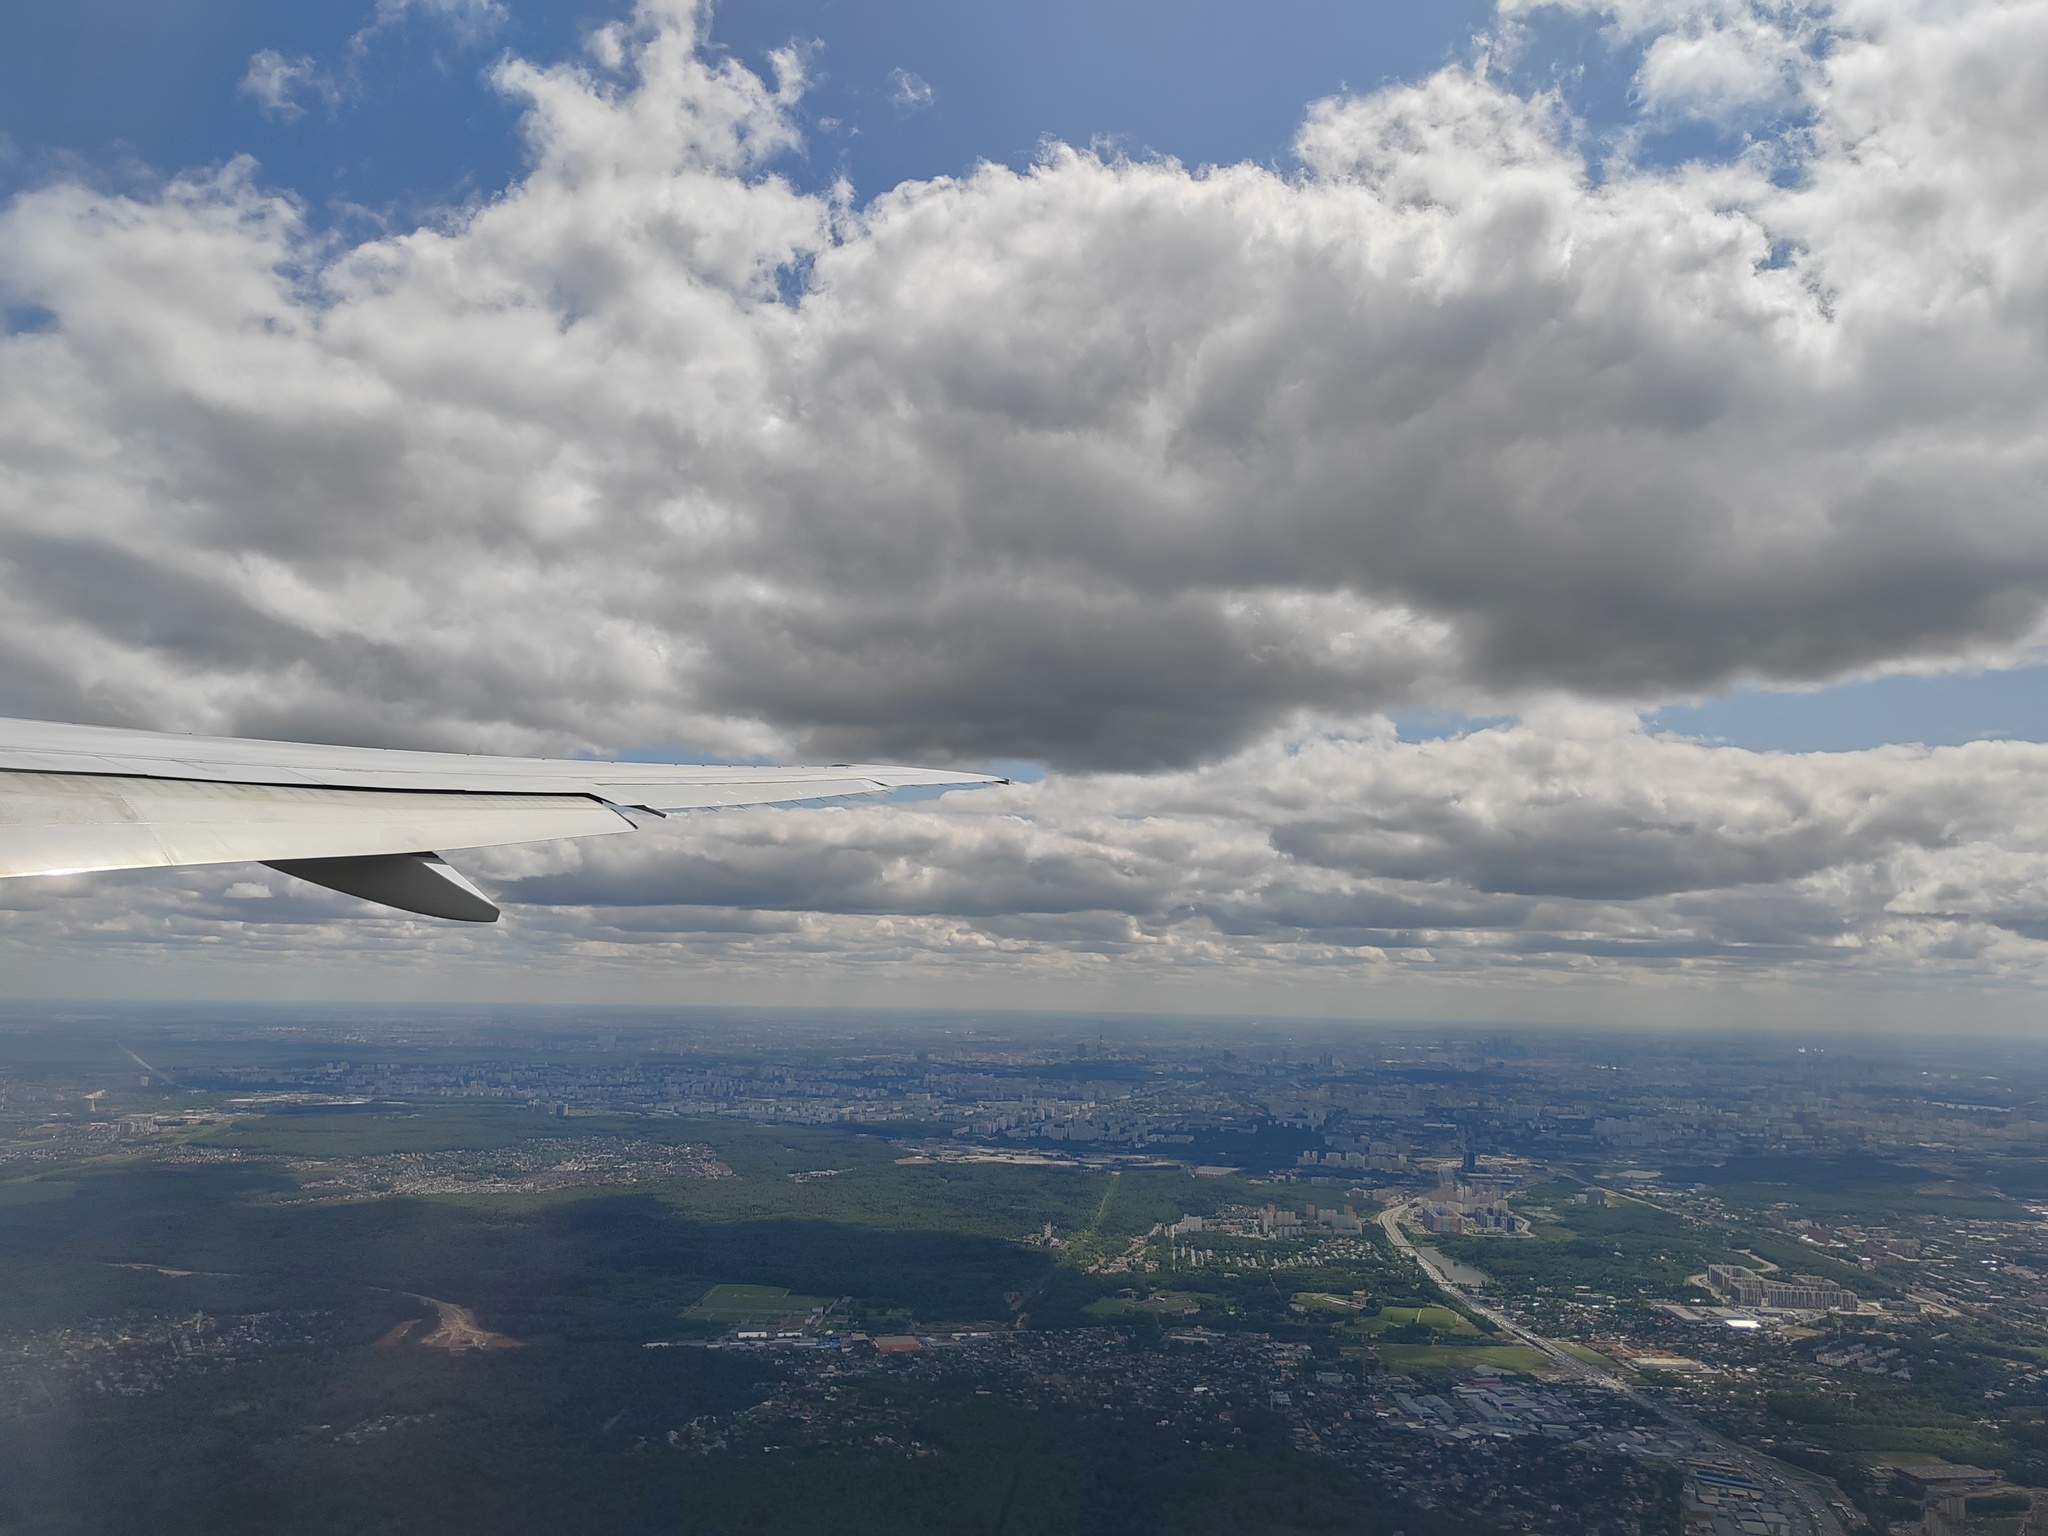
(1572, 840)
(1573, 849)
(1155, 474)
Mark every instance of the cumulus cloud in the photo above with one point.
(1724, 60)
(1102, 463)
(1118, 466)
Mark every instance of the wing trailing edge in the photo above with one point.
(356, 819)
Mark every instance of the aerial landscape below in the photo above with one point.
(1045, 768)
(418, 1270)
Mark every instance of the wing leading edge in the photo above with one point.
(75, 798)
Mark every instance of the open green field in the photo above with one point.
(1871, 1190)
(754, 1304)
(1426, 1359)
(1158, 1304)
(1442, 1321)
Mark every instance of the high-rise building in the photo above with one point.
(1801, 1293)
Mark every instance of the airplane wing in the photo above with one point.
(363, 820)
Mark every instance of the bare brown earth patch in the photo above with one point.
(459, 1329)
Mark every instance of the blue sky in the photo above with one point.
(118, 81)
(1936, 711)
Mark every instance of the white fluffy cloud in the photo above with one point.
(1734, 62)
(1103, 463)
(1117, 466)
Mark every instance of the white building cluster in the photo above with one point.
(1801, 1293)
(1463, 1208)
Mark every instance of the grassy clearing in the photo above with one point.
(1589, 1355)
(1439, 1320)
(354, 1131)
(1961, 1445)
(1462, 1360)
(1323, 1301)
(1161, 1303)
(1846, 1188)
(753, 1304)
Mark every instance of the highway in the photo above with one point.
(1821, 1518)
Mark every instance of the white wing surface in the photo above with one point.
(359, 819)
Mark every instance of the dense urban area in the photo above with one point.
(1007, 1274)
